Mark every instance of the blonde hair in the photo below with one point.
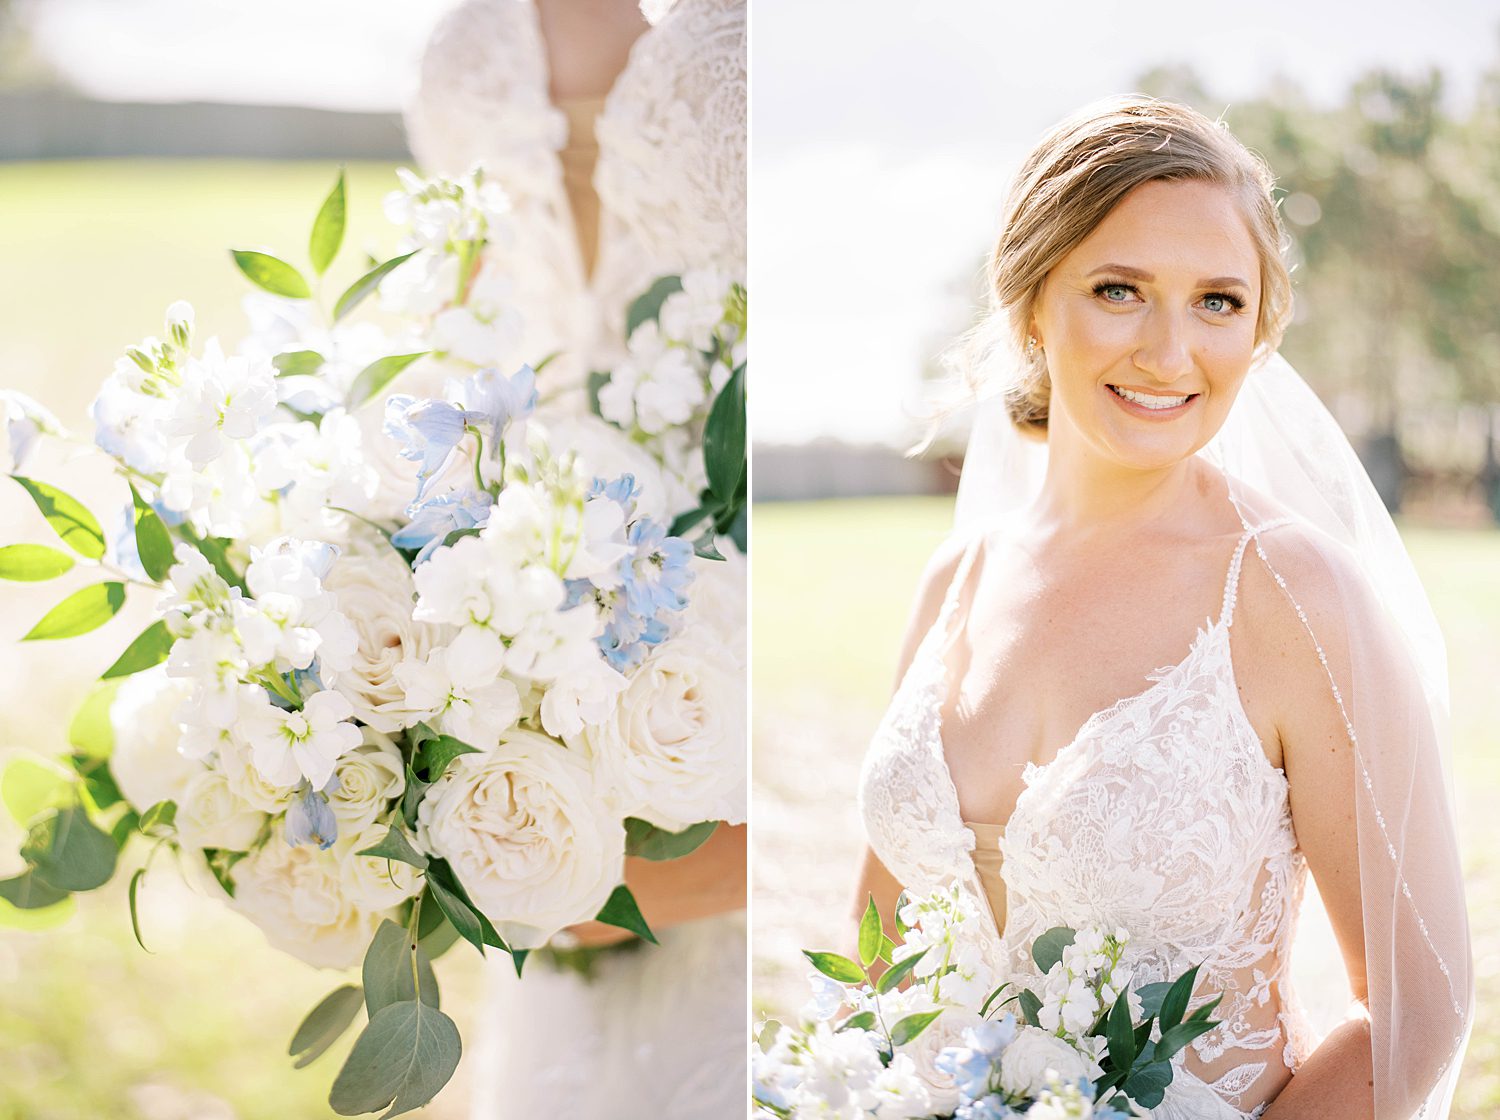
(1072, 179)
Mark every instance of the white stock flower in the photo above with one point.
(220, 401)
(315, 467)
(459, 688)
(694, 314)
(288, 746)
(1026, 1061)
(673, 751)
(237, 762)
(657, 387)
(146, 763)
(211, 815)
(374, 591)
(528, 835)
(297, 897)
(899, 1093)
(606, 452)
(839, 1069)
(586, 695)
(25, 419)
(370, 778)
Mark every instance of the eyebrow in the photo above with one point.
(1141, 274)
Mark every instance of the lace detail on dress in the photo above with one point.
(1162, 815)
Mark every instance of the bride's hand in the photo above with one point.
(709, 881)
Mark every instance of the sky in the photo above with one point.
(883, 133)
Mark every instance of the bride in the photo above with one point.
(1154, 487)
(619, 134)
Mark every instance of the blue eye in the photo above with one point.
(1215, 303)
(1222, 303)
(1114, 293)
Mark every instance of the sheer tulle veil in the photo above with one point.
(1378, 642)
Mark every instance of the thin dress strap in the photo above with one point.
(943, 624)
(1231, 582)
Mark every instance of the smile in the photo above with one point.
(1148, 402)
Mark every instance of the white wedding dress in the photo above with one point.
(657, 1032)
(1162, 815)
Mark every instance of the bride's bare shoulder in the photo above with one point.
(932, 588)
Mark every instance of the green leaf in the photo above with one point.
(412, 797)
(836, 967)
(216, 551)
(32, 562)
(864, 1021)
(1030, 1005)
(271, 273)
(124, 828)
(158, 820)
(298, 363)
(685, 521)
(388, 974)
(898, 972)
(1179, 1036)
(99, 786)
(597, 381)
(367, 284)
(135, 918)
(1204, 1011)
(152, 541)
(1047, 949)
(645, 840)
(221, 863)
(28, 892)
(1174, 1006)
(902, 929)
(395, 845)
(325, 1024)
(724, 439)
(69, 852)
(377, 375)
(437, 753)
(1147, 1084)
(86, 609)
(887, 948)
(151, 647)
(92, 732)
(648, 306)
(1151, 996)
(403, 1058)
(870, 933)
(33, 918)
(459, 534)
(1120, 1033)
(466, 920)
(621, 911)
(984, 1008)
(29, 787)
(435, 932)
(768, 1032)
(910, 1027)
(76, 526)
(328, 228)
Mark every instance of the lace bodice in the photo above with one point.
(670, 174)
(1162, 815)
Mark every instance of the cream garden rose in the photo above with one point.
(211, 815)
(370, 777)
(1032, 1054)
(528, 833)
(146, 763)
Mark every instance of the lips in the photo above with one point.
(1152, 404)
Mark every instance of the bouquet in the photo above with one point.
(929, 1038)
(433, 652)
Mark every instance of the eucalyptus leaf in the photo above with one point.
(395, 845)
(644, 839)
(1147, 1084)
(621, 911)
(376, 376)
(86, 609)
(328, 228)
(77, 527)
(271, 273)
(439, 752)
(1030, 1006)
(69, 852)
(32, 562)
(648, 305)
(835, 966)
(28, 787)
(298, 363)
(388, 970)
(367, 284)
(325, 1024)
(150, 647)
(768, 1032)
(910, 1027)
(870, 933)
(402, 1059)
(152, 540)
(27, 892)
(898, 972)
(724, 439)
(1047, 949)
(35, 918)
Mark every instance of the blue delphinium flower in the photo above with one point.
(623, 490)
(310, 818)
(434, 519)
(973, 1064)
(658, 573)
(428, 431)
(970, 1069)
(494, 401)
(991, 1107)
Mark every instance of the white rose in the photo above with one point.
(674, 749)
(528, 835)
(370, 777)
(146, 764)
(946, 1030)
(716, 600)
(1024, 1065)
(296, 897)
(375, 592)
(373, 882)
(209, 815)
(247, 783)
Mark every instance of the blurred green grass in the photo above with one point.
(832, 584)
(91, 1027)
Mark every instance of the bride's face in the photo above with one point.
(1158, 303)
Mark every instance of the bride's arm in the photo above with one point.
(711, 880)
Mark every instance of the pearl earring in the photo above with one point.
(1031, 346)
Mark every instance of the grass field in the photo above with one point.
(831, 587)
